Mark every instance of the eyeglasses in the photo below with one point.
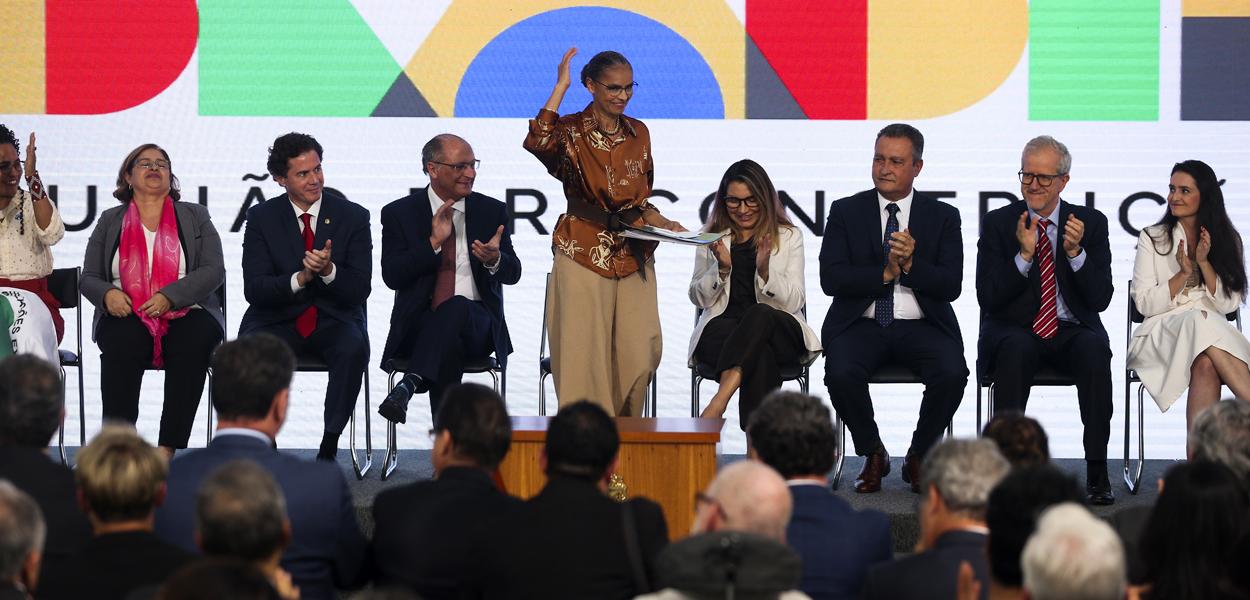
(733, 202)
(1042, 179)
(460, 167)
(16, 165)
(617, 90)
(149, 165)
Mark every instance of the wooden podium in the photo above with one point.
(666, 460)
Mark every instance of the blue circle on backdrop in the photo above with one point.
(513, 75)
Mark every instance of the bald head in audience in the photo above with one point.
(746, 496)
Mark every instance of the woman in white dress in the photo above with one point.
(1188, 275)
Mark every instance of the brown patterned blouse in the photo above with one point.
(610, 172)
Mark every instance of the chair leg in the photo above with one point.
(542, 393)
(60, 435)
(696, 382)
(1132, 475)
(359, 469)
(208, 433)
(391, 460)
(494, 382)
(654, 398)
(839, 425)
(82, 407)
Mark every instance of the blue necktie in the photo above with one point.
(885, 300)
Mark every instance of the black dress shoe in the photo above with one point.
(876, 467)
(395, 407)
(329, 447)
(1097, 484)
(911, 471)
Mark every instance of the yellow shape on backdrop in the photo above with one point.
(928, 59)
(23, 62)
(469, 25)
(1215, 8)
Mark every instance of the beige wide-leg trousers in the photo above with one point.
(605, 336)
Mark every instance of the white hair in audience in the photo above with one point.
(21, 530)
(1073, 555)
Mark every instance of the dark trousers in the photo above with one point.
(458, 330)
(759, 342)
(126, 353)
(1075, 349)
(344, 347)
(852, 356)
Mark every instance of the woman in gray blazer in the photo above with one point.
(153, 270)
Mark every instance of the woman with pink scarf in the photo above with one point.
(153, 268)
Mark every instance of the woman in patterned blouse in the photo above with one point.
(29, 226)
(602, 312)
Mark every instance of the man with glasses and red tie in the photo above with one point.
(1043, 277)
(447, 253)
(307, 268)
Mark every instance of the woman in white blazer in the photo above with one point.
(750, 290)
(1188, 274)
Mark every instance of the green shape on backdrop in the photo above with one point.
(1094, 60)
(290, 58)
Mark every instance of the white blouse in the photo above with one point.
(27, 255)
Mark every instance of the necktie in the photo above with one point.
(306, 322)
(1046, 323)
(885, 299)
(445, 283)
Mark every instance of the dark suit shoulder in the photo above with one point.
(113, 213)
(1004, 214)
(1085, 213)
(484, 199)
(194, 209)
(856, 198)
(340, 202)
(924, 201)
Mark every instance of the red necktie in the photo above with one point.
(445, 283)
(1046, 323)
(306, 322)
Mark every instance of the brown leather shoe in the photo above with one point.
(911, 471)
(876, 466)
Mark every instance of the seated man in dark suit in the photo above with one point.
(22, 534)
(570, 540)
(472, 435)
(31, 409)
(447, 253)
(893, 260)
(122, 479)
(240, 512)
(793, 433)
(958, 477)
(307, 271)
(251, 381)
(1043, 275)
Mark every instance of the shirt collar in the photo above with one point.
(437, 201)
(1054, 215)
(904, 205)
(243, 431)
(313, 210)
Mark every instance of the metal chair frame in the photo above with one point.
(396, 367)
(66, 292)
(311, 364)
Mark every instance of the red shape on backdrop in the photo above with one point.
(109, 55)
(819, 50)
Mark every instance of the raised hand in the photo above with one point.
(117, 303)
(563, 78)
(487, 253)
(1026, 234)
(763, 252)
(1073, 232)
(1182, 258)
(441, 226)
(967, 587)
(30, 156)
(724, 262)
(1203, 251)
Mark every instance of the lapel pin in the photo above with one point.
(327, 221)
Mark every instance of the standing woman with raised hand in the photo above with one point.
(602, 311)
(152, 269)
(1189, 273)
(751, 290)
(29, 226)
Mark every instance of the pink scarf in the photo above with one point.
(137, 281)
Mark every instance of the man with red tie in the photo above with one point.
(307, 268)
(447, 253)
(1043, 277)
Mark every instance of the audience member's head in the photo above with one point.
(218, 579)
(240, 512)
(121, 477)
(956, 478)
(471, 428)
(1194, 527)
(21, 537)
(1011, 515)
(31, 401)
(1021, 439)
(1073, 555)
(746, 496)
(793, 433)
(582, 442)
(1221, 434)
(251, 382)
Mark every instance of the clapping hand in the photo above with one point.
(317, 262)
(1203, 251)
(440, 229)
(1073, 232)
(902, 247)
(763, 252)
(1026, 234)
(30, 156)
(1182, 258)
(488, 253)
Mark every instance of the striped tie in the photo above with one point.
(1046, 324)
